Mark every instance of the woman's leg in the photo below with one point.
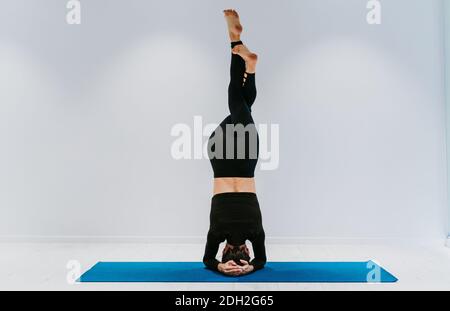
(246, 68)
(249, 62)
(240, 111)
(249, 89)
(248, 79)
(242, 61)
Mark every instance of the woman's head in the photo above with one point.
(235, 253)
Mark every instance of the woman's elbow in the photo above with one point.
(205, 261)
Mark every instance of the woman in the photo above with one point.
(233, 151)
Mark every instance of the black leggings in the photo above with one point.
(241, 96)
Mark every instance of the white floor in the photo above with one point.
(43, 266)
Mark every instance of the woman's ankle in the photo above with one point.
(234, 37)
(234, 43)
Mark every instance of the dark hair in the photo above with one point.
(235, 254)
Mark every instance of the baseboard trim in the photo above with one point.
(202, 239)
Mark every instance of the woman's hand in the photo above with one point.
(246, 268)
(230, 268)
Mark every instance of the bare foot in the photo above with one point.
(234, 25)
(249, 57)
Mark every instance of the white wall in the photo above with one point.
(86, 113)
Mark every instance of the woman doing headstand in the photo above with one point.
(233, 151)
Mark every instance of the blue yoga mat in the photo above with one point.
(274, 272)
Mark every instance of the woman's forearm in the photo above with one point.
(258, 263)
(211, 263)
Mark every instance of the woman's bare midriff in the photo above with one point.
(234, 184)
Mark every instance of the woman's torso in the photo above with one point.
(235, 217)
(234, 184)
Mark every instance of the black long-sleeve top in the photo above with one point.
(236, 220)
